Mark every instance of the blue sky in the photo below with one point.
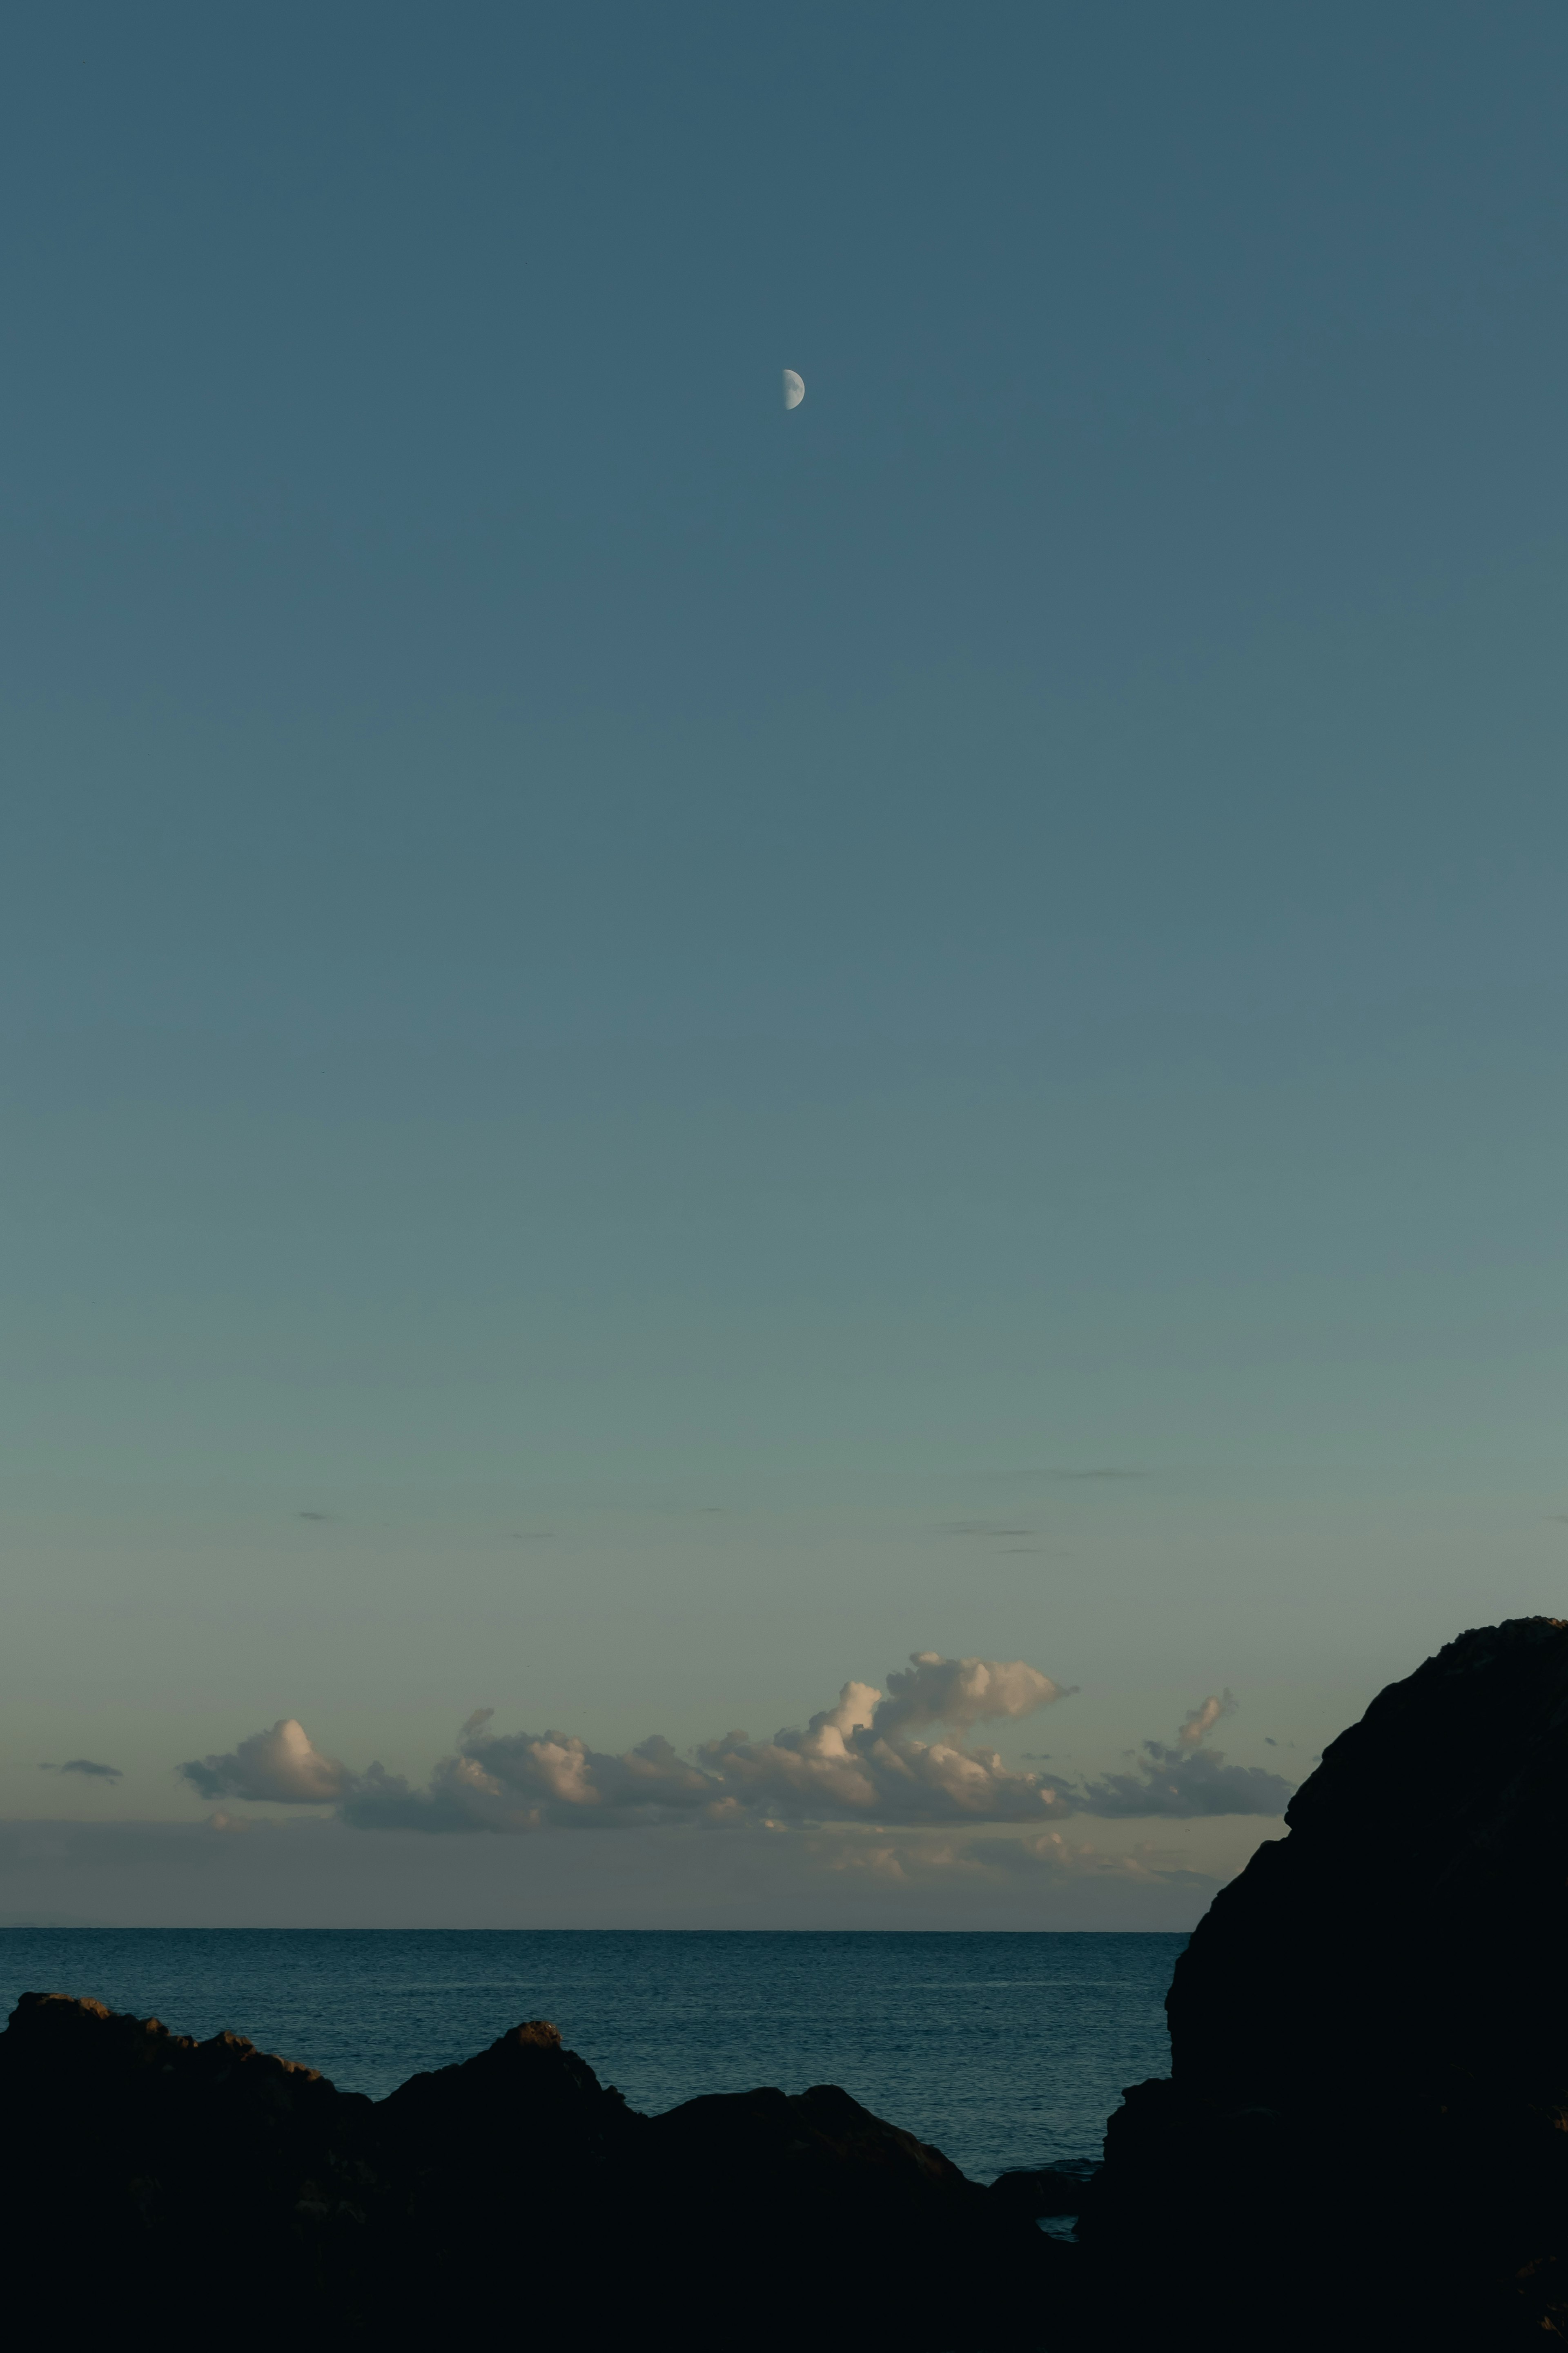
(643, 1035)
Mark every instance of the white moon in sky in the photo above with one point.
(794, 388)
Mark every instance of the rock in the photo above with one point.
(808, 2146)
(824, 2203)
(1043, 2193)
(1367, 2116)
(152, 2185)
(122, 2145)
(506, 2123)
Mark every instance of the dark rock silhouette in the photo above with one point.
(1365, 2131)
(141, 2171)
(1044, 2192)
(1364, 2139)
(153, 2185)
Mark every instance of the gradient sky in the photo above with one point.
(644, 1038)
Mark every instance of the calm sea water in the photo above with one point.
(1004, 2050)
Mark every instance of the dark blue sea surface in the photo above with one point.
(1001, 2048)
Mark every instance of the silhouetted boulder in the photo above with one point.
(810, 2145)
(1366, 2125)
(120, 2142)
(1043, 2193)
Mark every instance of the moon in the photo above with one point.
(794, 388)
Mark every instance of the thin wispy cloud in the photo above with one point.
(1103, 1471)
(927, 1859)
(86, 1765)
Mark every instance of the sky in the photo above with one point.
(663, 1057)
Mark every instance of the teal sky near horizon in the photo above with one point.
(658, 1051)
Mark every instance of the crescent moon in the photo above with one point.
(794, 388)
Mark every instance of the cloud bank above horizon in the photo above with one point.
(857, 1762)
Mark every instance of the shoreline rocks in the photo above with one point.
(152, 2182)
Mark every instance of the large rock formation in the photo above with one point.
(1365, 2131)
(156, 2188)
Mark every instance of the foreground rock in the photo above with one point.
(1052, 2192)
(156, 2185)
(1365, 2132)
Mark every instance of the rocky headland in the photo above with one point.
(1363, 2138)
(1364, 2133)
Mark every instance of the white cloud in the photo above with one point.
(959, 1691)
(280, 1767)
(518, 1782)
(852, 1762)
(860, 1761)
(829, 1772)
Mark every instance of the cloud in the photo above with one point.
(1186, 1779)
(1106, 1470)
(1174, 1784)
(301, 1870)
(518, 1782)
(960, 1692)
(893, 1761)
(855, 1760)
(923, 1859)
(1064, 1858)
(278, 1767)
(1202, 1721)
(86, 1765)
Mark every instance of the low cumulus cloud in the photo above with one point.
(279, 1768)
(88, 1766)
(895, 1760)
(1184, 1779)
(958, 1692)
(855, 1760)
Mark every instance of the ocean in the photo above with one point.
(1003, 2049)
